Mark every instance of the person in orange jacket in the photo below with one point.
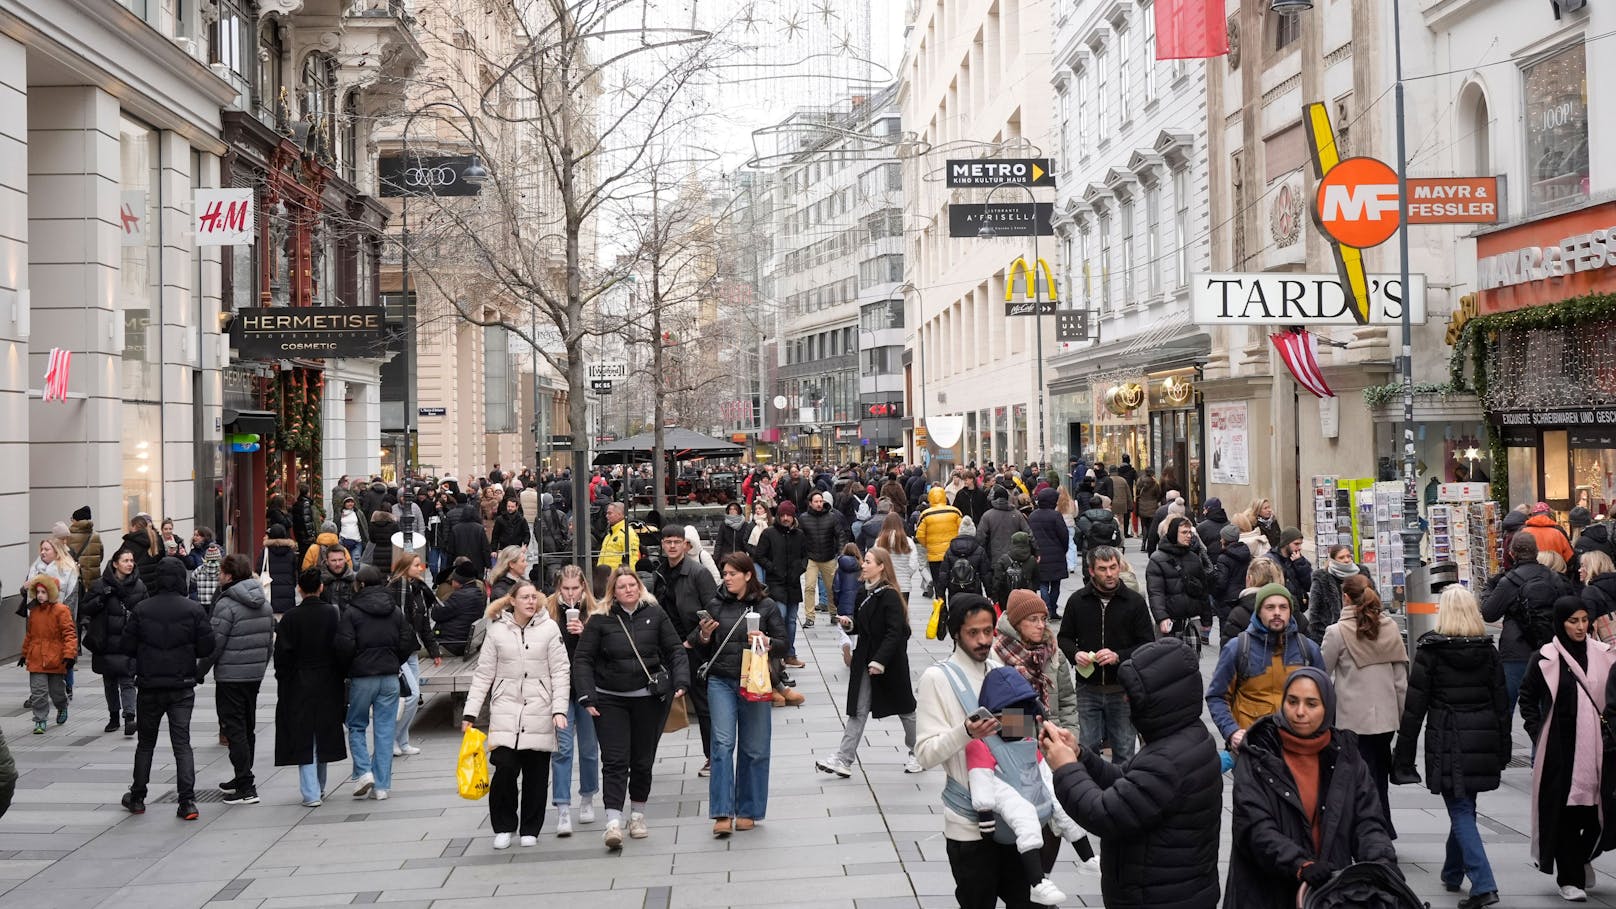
(49, 647)
(1548, 533)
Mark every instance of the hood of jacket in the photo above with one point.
(1466, 653)
(847, 563)
(172, 577)
(1542, 520)
(281, 544)
(1021, 546)
(1096, 515)
(1005, 687)
(1513, 521)
(1605, 584)
(377, 601)
(1047, 498)
(999, 499)
(1217, 515)
(53, 590)
(1594, 536)
(383, 519)
(247, 591)
(937, 496)
(963, 546)
(1238, 550)
(1163, 684)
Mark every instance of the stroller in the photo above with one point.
(1364, 885)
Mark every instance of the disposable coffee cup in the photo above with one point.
(572, 614)
(752, 620)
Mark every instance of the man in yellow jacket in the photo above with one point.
(937, 527)
(620, 539)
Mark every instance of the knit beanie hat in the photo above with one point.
(59, 530)
(329, 526)
(786, 509)
(82, 514)
(1229, 534)
(1288, 536)
(1023, 604)
(467, 571)
(1272, 590)
(967, 527)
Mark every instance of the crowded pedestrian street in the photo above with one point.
(873, 841)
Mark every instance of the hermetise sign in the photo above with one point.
(286, 331)
(1274, 298)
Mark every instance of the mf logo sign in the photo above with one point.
(1357, 206)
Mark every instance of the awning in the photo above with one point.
(261, 422)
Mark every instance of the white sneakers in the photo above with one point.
(563, 820)
(586, 811)
(636, 826)
(913, 766)
(834, 766)
(1573, 894)
(363, 784)
(614, 835)
(502, 841)
(1091, 866)
(530, 841)
(406, 750)
(379, 795)
(1046, 893)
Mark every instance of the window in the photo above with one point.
(232, 40)
(499, 404)
(1152, 245)
(1081, 113)
(1105, 264)
(1287, 30)
(1124, 76)
(1126, 224)
(1102, 128)
(1181, 227)
(140, 296)
(881, 270)
(1148, 15)
(1556, 99)
(269, 70)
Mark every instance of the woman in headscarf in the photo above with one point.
(1368, 663)
(1561, 702)
(1304, 805)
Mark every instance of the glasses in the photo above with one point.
(1037, 619)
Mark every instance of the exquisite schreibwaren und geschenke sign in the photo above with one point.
(310, 331)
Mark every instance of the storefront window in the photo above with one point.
(140, 302)
(1556, 95)
(1556, 467)
(1024, 453)
(1522, 474)
(1594, 473)
(1001, 434)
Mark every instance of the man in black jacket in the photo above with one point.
(468, 537)
(166, 635)
(782, 550)
(305, 519)
(337, 574)
(1211, 528)
(1105, 623)
(683, 587)
(1158, 819)
(1526, 589)
(374, 638)
(972, 499)
(825, 535)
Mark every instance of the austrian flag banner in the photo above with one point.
(1300, 351)
(1190, 29)
(61, 361)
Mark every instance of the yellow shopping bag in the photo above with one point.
(934, 628)
(472, 771)
(755, 682)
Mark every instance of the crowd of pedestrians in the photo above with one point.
(1097, 720)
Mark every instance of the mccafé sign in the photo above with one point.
(1547, 261)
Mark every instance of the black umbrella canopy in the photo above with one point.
(680, 444)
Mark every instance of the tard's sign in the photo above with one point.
(1547, 260)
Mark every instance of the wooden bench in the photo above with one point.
(453, 677)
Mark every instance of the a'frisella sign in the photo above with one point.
(1273, 298)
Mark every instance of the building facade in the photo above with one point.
(1131, 216)
(975, 84)
(835, 273)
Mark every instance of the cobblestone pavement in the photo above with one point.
(872, 841)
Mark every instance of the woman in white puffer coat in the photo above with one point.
(524, 675)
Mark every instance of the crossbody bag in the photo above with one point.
(659, 683)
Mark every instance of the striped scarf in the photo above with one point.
(1029, 661)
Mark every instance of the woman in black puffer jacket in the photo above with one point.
(1456, 690)
(1158, 816)
(283, 559)
(1179, 578)
(103, 615)
(1293, 827)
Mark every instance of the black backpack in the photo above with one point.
(1103, 533)
(1537, 625)
(962, 577)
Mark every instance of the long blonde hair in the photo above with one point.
(591, 605)
(1457, 614)
(1594, 563)
(892, 538)
(64, 559)
(889, 575)
(502, 565)
(624, 571)
(507, 603)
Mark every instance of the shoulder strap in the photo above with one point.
(1243, 658)
(634, 647)
(956, 681)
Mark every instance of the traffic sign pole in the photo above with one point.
(1411, 519)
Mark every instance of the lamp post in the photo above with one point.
(858, 354)
(920, 342)
(989, 232)
(476, 175)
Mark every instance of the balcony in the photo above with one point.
(378, 39)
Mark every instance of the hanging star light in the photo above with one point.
(825, 10)
(845, 43)
(792, 25)
(749, 18)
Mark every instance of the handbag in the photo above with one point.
(659, 683)
(704, 668)
(678, 716)
(264, 580)
(404, 690)
(933, 626)
(757, 686)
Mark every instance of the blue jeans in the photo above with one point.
(435, 560)
(311, 778)
(788, 611)
(1514, 674)
(353, 547)
(580, 731)
(1102, 716)
(1050, 591)
(739, 786)
(1466, 855)
(370, 694)
(412, 706)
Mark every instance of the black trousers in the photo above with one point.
(504, 794)
(151, 705)
(1575, 843)
(986, 872)
(238, 714)
(120, 691)
(704, 719)
(628, 729)
(1376, 751)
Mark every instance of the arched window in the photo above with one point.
(316, 97)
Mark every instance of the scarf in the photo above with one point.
(1302, 757)
(1341, 572)
(1387, 646)
(1029, 661)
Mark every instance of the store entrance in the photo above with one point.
(1565, 467)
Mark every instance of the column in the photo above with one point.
(334, 431)
(181, 350)
(74, 258)
(15, 551)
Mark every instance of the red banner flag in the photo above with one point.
(1300, 351)
(1190, 29)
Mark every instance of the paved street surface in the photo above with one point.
(872, 842)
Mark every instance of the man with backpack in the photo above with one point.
(1523, 598)
(1097, 527)
(1249, 681)
(965, 566)
(1017, 569)
(858, 506)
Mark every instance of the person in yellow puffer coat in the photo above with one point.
(325, 540)
(937, 527)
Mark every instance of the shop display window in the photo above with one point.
(1556, 100)
(1593, 475)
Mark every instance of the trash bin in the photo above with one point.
(1421, 595)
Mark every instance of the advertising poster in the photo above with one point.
(1228, 435)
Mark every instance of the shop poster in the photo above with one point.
(1228, 435)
